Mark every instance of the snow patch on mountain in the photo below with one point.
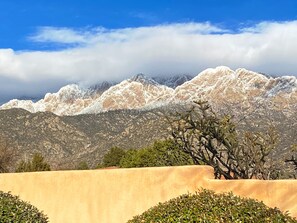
(135, 93)
(220, 85)
(67, 101)
(98, 89)
(285, 84)
(174, 81)
(24, 104)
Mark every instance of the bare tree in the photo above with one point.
(6, 156)
(213, 140)
(293, 159)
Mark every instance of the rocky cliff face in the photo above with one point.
(219, 86)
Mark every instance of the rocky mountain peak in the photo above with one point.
(67, 93)
(135, 93)
(220, 85)
(143, 79)
(220, 70)
(173, 81)
(282, 85)
(98, 89)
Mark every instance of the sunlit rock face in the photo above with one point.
(135, 93)
(220, 85)
(69, 100)
(223, 85)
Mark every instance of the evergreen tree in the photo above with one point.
(36, 164)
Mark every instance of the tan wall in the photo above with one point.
(115, 195)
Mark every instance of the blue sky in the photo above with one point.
(47, 44)
(20, 18)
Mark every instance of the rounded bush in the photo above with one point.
(206, 206)
(12, 209)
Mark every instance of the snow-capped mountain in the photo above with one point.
(68, 100)
(174, 81)
(98, 89)
(220, 85)
(223, 85)
(137, 92)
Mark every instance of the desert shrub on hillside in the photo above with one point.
(161, 153)
(36, 164)
(206, 206)
(82, 166)
(12, 209)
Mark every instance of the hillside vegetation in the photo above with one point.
(161, 153)
(80, 142)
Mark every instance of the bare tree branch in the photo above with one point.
(214, 141)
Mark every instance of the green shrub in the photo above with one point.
(206, 206)
(161, 153)
(138, 158)
(36, 164)
(82, 166)
(113, 157)
(12, 209)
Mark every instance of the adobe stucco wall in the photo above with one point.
(114, 196)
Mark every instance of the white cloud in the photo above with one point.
(60, 35)
(99, 54)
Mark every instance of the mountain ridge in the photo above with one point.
(220, 85)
